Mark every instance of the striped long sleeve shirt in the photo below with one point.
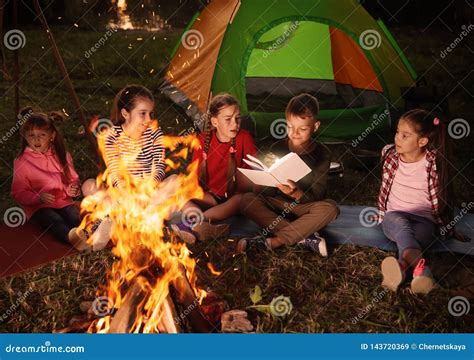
(141, 158)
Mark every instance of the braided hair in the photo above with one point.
(218, 102)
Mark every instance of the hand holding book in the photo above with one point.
(290, 167)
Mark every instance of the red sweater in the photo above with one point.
(218, 158)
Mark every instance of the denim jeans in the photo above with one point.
(58, 221)
(409, 231)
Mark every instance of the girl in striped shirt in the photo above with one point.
(135, 141)
(133, 146)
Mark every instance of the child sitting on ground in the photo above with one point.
(305, 199)
(44, 178)
(413, 199)
(222, 149)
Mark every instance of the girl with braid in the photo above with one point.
(223, 146)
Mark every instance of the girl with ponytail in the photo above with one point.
(44, 178)
(415, 200)
(223, 146)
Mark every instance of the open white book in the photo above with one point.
(289, 167)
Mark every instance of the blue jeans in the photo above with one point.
(408, 231)
(58, 221)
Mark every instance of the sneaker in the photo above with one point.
(101, 236)
(184, 232)
(78, 238)
(256, 243)
(423, 281)
(206, 231)
(393, 273)
(315, 243)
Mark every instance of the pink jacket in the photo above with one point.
(35, 173)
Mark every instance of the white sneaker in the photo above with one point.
(101, 237)
(78, 239)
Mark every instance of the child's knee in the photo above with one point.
(326, 207)
(246, 200)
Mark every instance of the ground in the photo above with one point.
(338, 294)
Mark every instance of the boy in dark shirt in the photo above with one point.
(304, 200)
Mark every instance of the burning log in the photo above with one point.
(192, 312)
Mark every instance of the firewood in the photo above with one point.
(192, 312)
(235, 321)
(125, 316)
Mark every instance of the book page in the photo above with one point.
(253, 165)
(259, 177)
(255, 161)
(290, 167)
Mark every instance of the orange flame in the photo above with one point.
(213, 270)
(139, 211)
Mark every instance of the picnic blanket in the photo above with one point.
(26, 247)
(352, 227)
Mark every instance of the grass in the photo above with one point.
(327, 294)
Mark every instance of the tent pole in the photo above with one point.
(65, 74)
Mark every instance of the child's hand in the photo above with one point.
(461, 237)
(291, 189)
(47, 198)
(73, 190)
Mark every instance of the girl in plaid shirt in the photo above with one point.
(413, 199)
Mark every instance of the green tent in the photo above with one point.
(264, 52)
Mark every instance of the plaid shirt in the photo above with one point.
(390, 167)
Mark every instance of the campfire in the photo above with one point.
(152, 22)
(152, 283)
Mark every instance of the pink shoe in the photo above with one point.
(423, 281)
(393, 273)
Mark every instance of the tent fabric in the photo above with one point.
(350, 64)
(249, 40)
(187, 71)
(285, 61)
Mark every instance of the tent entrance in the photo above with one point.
(299, 56)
